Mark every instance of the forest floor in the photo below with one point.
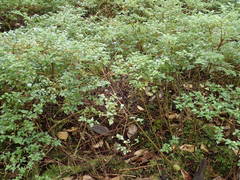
(136, 90)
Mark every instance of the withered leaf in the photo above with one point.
(63, 135)
(152, 98)
(173, 116)
(187, 147)
(72, 129)
(140, 108)
(140, 152)
(132, 130)
(102, 130)
(141, 156)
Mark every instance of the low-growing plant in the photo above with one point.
(218, 105)
(13, 13)
(168, 147)
(36, 72)
(102, 61)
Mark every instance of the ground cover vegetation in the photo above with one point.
(119, 89)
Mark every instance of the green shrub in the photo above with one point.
(13, 13)
(67, 56)
(220, 106)
(37, 67)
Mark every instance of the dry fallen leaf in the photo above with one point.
(102, 130)
(98, 145)
(152, 98)
(140, 152)
(72, 129)
(63, 135)
(204, 148)
(187, 147)
(141, 156)
(140, 108)
(145, 158)
(87, 177)
(173, 116)
(132, 130)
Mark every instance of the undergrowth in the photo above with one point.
(171, 68)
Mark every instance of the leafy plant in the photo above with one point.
(102, 61)
(13, 13)
(216, 104)
(36, 72)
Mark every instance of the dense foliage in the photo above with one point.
(170, 67)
